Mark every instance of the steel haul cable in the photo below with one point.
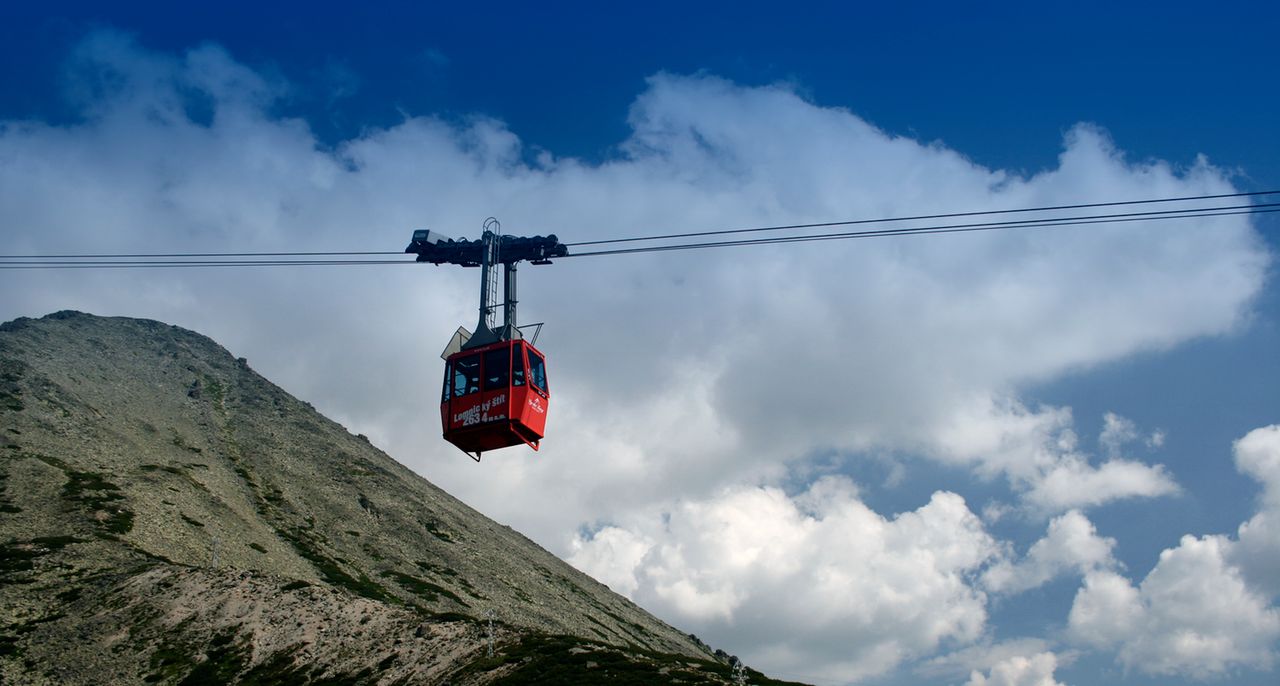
(948, 215)
(334, 258)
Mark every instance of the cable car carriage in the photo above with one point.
(495, 382)
(495, 396)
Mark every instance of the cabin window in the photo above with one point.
(537, 372)
(517, 365)
(466, 375)
(497, 368)
(448, 382)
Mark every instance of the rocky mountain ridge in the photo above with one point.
(167, 515)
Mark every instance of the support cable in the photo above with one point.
(334, 258)
(943, 229)
(948, 215)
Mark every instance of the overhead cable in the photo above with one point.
(951, 228)
(134, 264)
(923, 217)
(362, 258)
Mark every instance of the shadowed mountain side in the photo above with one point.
(168, 515)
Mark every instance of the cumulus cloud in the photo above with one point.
(922, 343)
(679, 377)
(1038, 452)
(1116, 432)
(984, 657)
(1035, 670)
(1072, 544)
(815, 583)
(1075, 483)
(1193, 615)
(1258, 455)
(1258, 550)
(1197, 612)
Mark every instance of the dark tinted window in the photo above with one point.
(466, 375)
(517, 365)
(537, 371)
(497, 369)
(448, 382)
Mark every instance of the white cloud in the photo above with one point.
(677, 377)
(984, 657)
(1258, 455)
(1107, 609)
(1258, 550)
(1071, 544)
(816, 583)
(1116, 432)
(1035, 670)
(612, 555)
(1204, 609)
(1073, 482)
(1192, 615)
(677, 368)
(1038, 452)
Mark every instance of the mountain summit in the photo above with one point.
(167, 515)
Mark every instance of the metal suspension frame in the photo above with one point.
(487, 253)
(492, 249)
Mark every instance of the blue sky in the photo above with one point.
(1171, 83)
(1039, 420)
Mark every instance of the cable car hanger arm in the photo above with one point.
(436, 248)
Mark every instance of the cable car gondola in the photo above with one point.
(495, 396)
(495, 382)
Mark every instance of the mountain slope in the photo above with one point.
(168, 515)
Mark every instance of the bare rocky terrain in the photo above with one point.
(167, 515)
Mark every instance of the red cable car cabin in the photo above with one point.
(495, 396)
